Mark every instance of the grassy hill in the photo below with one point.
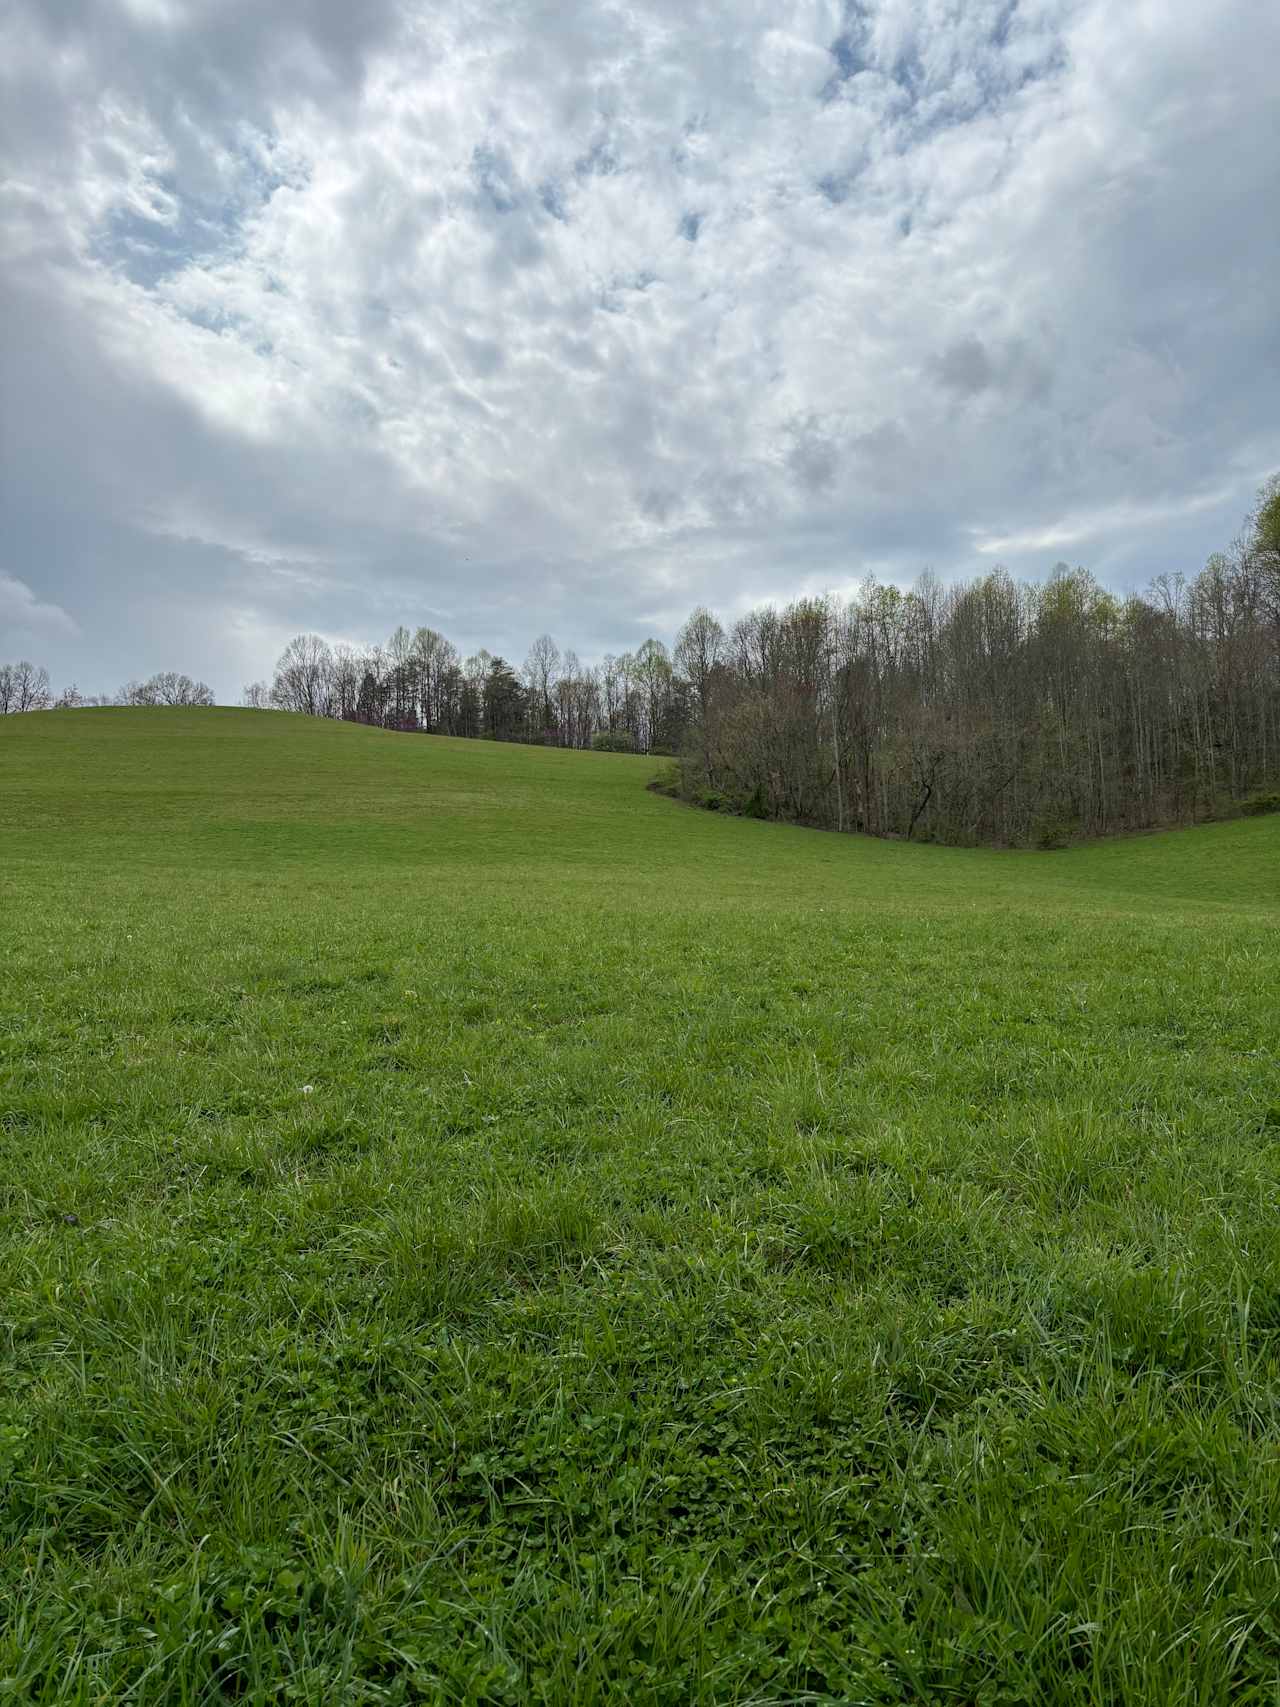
(472, 1229)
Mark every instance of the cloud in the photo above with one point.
(965, 366)
(322, 316)
(23, 616)
(1072, 531)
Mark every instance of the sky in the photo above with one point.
(510, 318)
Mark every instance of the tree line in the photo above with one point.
(983, 711)
(25, 686)
(994, 712)
(637, 702)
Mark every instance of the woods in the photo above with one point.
(993, 712)
(984, 711)
(636, 702)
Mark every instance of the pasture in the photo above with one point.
(475, 1230)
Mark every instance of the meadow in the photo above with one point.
(473, 1230)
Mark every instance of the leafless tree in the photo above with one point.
(699, 653)
(24, 686)
(166, 687)
(347, 673)
(304, 677)
(436, 664)
(137, 693)
(541, 672)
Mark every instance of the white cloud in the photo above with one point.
(561, 317)
(23, 616)
(1115, 520)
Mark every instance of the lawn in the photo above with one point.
(473, 1230)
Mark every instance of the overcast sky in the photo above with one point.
(504, 317)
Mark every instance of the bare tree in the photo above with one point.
(541, 672)
(166, 687)
(304, 677)
(613, 692)
(24, 686)
(174, 688)
(137, 693)
(699, 652)
(435, 659)
(577, 702)
(653, 676)
(347, 674)
(475, 673)
(403, 684)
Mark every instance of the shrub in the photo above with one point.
(1258, 804)
(613, 741)
(1051, 830)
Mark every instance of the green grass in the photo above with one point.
(713, 1262)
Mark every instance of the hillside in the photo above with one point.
(474, 1229)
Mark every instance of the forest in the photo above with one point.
(983, 711)
(993, 712)
(986, 711)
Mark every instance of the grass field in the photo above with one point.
(473, 1230)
